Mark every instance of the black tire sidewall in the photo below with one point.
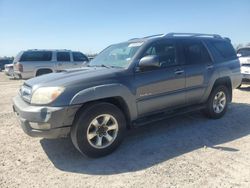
(79, 130)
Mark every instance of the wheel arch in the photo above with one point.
(226, 81)
(49, 70)
(116, 94)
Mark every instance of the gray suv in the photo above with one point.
(130, 84)
(32, 63)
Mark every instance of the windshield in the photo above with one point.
(117, 55)
(244, 52)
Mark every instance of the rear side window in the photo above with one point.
(196, 53)
(77, 56)
(36, 56)
(63, 56)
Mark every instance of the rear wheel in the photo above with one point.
(218, 102)
(99, 130)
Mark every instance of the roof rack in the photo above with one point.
(150, 36)
(192, 35)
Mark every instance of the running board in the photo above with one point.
(165, 115)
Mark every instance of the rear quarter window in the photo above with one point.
(78, 56)
(223, 50)
(36, 56)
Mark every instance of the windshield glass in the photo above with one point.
(244, 52)
(117, 55)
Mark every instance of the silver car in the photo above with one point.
(32, 63)
(244, 57)
(8, 69)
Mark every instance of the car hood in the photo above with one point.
(73, 77)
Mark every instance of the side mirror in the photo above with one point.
(239, 55)
(149, 62)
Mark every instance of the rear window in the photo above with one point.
(77, 56)
(224, 49)
(244, 52)
(63, 56)
(37, 56)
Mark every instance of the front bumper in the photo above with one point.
(44, 121)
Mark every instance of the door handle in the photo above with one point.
(179, 72)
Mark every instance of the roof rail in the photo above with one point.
(192, 35)
(150, 36)
(157, 35)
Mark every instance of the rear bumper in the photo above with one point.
(43, 121)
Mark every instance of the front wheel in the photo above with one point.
(218, 102)
(99, 129)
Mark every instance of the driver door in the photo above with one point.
(163, 87)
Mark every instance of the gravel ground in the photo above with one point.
(185, 151)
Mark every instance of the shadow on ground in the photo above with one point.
(245, 88)
(150, 145)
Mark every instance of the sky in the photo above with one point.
(91, 25)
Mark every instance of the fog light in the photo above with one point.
(40, 126)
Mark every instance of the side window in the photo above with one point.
(63, 56)
(36, 56)
(225, 49)
(222, 50)
(196, 53)
(165, 51)
(77, 56)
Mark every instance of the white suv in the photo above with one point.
(244, 57)
(32, 63)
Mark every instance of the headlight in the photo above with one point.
(45, 95)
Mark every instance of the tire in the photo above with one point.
(211, 110)
(86, 135)
(43, 71)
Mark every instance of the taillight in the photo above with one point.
(19, 67)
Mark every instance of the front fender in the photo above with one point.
(107, 91)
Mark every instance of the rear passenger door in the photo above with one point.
(63, 60)
(198, 67)
(79, 59)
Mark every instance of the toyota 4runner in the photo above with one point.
(130, 84)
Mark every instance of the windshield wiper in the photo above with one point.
(106, 66)
(102, 65)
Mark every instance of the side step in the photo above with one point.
(166, 114)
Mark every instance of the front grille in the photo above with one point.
(26, 92)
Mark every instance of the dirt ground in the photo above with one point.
(185, 151)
